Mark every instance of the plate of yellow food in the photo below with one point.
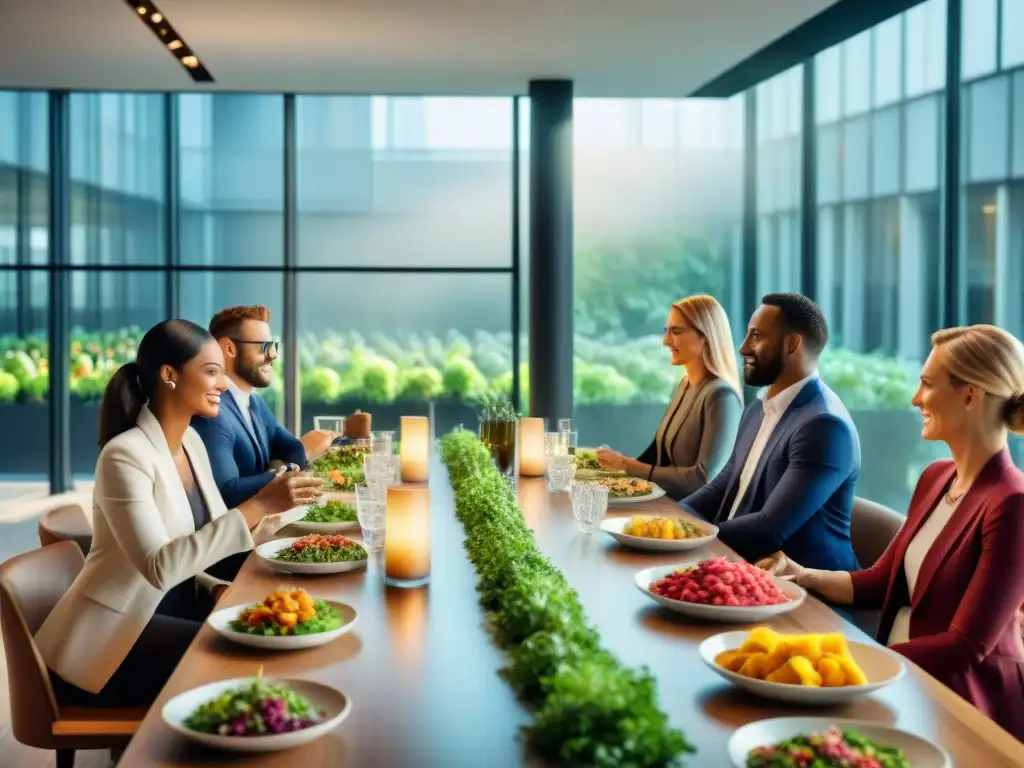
(659, 533)
(630, 490)
(288, 619)
(822, 669)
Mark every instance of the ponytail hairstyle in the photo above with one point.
(170, 342)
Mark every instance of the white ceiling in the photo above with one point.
(613, 48)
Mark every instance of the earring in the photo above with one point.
(170, 384)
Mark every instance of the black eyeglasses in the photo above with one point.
(265, 346)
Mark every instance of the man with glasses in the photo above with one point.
(247, 445)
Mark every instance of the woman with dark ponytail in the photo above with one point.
(159, 524)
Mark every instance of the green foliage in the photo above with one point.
(590, 710)
(607, 370)
(9, 387)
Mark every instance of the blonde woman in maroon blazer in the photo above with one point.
(951, 584)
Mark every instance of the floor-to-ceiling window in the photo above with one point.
(24, 282)
(658, 191)
(991, 246)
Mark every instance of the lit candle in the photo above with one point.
(414, 450)
(531, 447)
(407, 537)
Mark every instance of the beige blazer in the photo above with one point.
(697, 435)
(144, 543)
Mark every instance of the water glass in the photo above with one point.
(589, 505)
(570, 440)
(371, 504)
(378, 466)
(383, 442)
(333, 424)
(555, 444)
(560, 473)
(565, 425)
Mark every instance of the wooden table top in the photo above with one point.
(422, 671)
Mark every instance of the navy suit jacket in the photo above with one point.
(800, 496)
(241, 465)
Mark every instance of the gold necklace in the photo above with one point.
(950, 498)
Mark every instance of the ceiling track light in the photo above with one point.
(154, 18)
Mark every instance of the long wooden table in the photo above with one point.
(421, 669)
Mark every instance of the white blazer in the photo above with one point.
(144, 543)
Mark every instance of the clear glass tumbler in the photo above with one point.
(371, 504)
(589, 505)
(560, 473)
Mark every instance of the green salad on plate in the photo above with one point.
(256, 708)
(834, 749)
(330, 512)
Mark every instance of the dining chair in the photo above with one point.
(872, 528)
(30, 586)
(67, 522)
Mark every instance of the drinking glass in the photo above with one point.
(555, 444)
(570, 439)
(565, 425)
(371, 503)
(589, 505)
(378, 467)
(383, 442)
(335, 424)
(560, 473)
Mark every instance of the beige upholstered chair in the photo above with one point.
(872, 528)
(67, 522)
(30, 585)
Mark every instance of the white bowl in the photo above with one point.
(334, 703)
(614, 526)
(271, 548)
(720, 613)
(220, 622)
(920, 752)
(656, 493)
(880, 666)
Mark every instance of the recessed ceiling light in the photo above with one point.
(153, 18)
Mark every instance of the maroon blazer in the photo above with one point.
(965, 629)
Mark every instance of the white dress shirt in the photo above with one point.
(774, 407)
(914, 558)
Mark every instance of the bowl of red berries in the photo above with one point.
(720, 589)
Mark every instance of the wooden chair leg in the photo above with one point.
(65, 758)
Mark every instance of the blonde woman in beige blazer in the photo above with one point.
(159, 524)
(696, 434)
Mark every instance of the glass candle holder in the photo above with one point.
(407, 544)
(531, 447)
(414, 449)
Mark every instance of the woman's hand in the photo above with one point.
(782, 566)
(610, 459)
(288, 490)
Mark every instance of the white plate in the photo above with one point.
(334, 703)
(271, 548)
(920, 752)
(326, 529)
(613, 527)
(880, 666)
(720, 613)
(220, 622)
(656, 493)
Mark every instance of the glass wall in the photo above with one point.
(992, 182)
(658, 215)
(779, 184)
(24, 289)
(879, 241)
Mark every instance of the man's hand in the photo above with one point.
(317, 441)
